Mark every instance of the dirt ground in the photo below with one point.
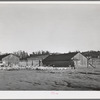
(78, 79)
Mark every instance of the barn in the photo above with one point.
(10, 59)
(36, 60)
(59, 60)
(72, 59)
(80, 60)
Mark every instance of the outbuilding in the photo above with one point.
(80, 60)
(36, 60)
(73, 59)
(10, 59)
(59, 60)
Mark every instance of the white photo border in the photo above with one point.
(50, 94)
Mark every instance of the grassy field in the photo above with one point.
(70, 79)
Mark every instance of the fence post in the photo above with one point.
(26, 62)
(39, 62)
(32, 62)
(87, 62)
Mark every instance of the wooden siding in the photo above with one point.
(80, 60)
(10, 59)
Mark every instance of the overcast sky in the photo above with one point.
(52, 27)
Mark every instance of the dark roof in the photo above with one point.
(40, 57)
(2, 56)
(60, 57)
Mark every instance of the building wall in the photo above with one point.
(10, 59)
(80, 60)
(34, 63)
(35, 60)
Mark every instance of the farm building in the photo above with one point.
(10, 59)
(80, 60)
(36, 60)
(59, 60)
(66, 60)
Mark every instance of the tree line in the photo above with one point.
(24, 55)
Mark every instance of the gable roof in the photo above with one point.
(5, 55)
(60, 57)
(78, 56)
(11, 56)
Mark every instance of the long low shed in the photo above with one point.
(66, 60)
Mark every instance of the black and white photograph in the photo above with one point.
(49, 47)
